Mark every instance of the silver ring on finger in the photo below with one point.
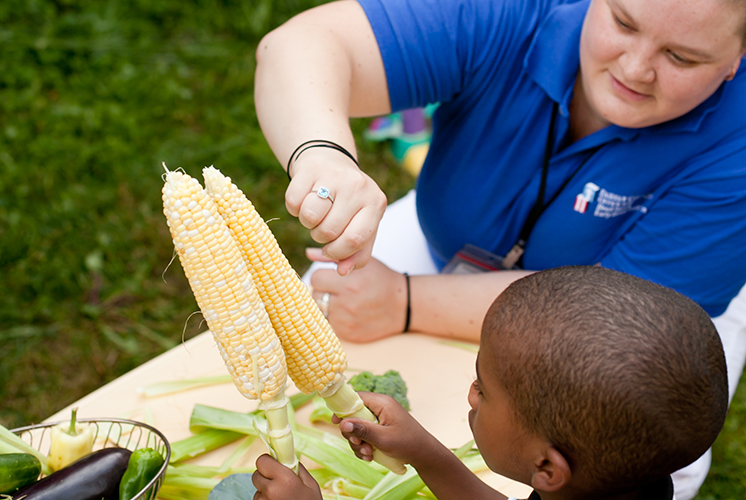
(324, 193)
(323, 304)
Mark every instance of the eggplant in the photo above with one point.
(94, 477)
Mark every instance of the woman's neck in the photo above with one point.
(583, 119)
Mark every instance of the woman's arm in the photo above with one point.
(454, 305)
(314, 73)
(371, 303)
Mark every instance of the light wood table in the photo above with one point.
(437, 374)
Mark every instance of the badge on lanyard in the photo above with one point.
(473, 260)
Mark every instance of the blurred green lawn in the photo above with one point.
(93, 96)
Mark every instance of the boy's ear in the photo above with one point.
(551, 471)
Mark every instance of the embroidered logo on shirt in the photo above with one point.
(608, 204)
(590, 190)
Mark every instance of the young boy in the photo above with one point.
(591, 384)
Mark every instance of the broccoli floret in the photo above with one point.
(392, 384)
(389, 383)
(364, 381)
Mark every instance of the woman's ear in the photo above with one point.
(732, 73)
(734, 69)
(551, 472)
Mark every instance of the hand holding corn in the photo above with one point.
(232, 242)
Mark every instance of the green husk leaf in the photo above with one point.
(291, 418)
(461, 345)
(475, 463)
(207, 440)
(394, 486)
(345, 487)
(162, 388)
(340, 444)
(464, 449)
(333, 440)
(186, 488)
(300, 400)
(320, 412)
(322, 475)
(327, 453)
(210, 435)
(209, 417)
(240, 451)
(205, 471)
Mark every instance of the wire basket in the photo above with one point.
(108, 433)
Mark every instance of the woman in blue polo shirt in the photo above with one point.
(608, 132)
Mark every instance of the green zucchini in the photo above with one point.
(18, 470)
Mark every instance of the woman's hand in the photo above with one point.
(274, 481)
(347, 220)
(364, 306)
(397, 433)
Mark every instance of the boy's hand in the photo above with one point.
(397, 433)
(274, 481)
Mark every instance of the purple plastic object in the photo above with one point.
(413, 121)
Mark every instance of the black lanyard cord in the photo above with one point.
(539, 206)
(516, 253)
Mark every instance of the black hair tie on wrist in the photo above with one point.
(409, 304)
(317, 143)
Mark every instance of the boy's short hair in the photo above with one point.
(626, 378)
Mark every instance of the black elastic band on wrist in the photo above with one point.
(317, 143)
(409, 304)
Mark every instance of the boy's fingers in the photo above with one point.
(260, 482)
(270, 468)
(273, 480)
(352, 430)
(377, 403)
(307, 478)
(359, 432)
(364, 436)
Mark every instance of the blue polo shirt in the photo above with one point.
(666, 203)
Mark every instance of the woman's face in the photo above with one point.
(645, 62)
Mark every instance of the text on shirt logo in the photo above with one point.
(608, 204)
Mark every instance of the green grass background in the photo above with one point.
(93, 96)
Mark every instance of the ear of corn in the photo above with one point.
(315, 358)
(230, 303)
